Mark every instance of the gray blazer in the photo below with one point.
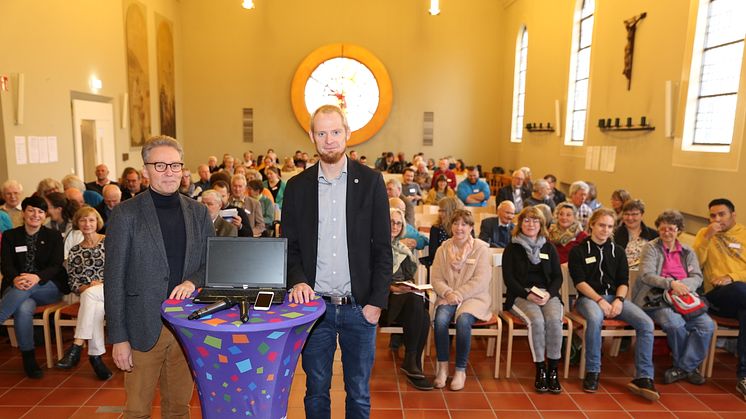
(136, 268)
(651, 263)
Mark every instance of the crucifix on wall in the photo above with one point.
(631, 26)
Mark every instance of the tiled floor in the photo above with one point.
(77, 394)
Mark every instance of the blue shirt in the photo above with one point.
(332, 262)
(466, 188)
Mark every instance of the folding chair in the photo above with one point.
(724, 327)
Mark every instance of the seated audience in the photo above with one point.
(547, 212)
(618, 198)
(668, 265)
(73, 194)
(460, 169)
(85, 270)
(514, 192)
(91, 198)
(31, 264)
(411, 237)
(248, 159)
(252, 174)
(288, 166)
(440, 231)
(443, 170)
(601, 275)
(719, 248)
(529, 261)
(633, 234)
(212, 163)
(472, 191)
(431, 164)
(229, 164)
(275, 185)
(131, 183)
(496, 231)
(12, 193)
(591, 200)
(255, 188)
(186, 186)
(204, 178)
(407, 307)
(460, 276)
(554, 194)
(411, 189)
(253, 209)
(439, 191)
(60, 211)
(385, 161)
(540, 195)
(528, 184)
(577, 194)
(393, 190)
(566, 232)
(112, 198)
(5, 222)
(422, 176)
(102, 179)
(240, 221)
(213, 201)
(47, 186)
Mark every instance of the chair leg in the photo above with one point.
(582, 354)
(497, 351)
(509, 356)
(710, 359)
(12, 336)
(568, 348)
(58, 334)
(47, 339)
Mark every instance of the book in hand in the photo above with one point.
(539, 292)
(410, 284)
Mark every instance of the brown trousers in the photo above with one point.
(164, 363)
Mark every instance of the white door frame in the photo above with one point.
(103, 114)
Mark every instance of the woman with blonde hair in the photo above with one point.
(440, 231)
(460, 276)
(566, 232)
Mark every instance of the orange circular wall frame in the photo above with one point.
(360, 54)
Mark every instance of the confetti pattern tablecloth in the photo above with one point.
(243, 370)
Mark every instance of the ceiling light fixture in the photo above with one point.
(248, 4)
(434, 7)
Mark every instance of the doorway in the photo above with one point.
(93, 137)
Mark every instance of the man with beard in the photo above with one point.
(336, 219)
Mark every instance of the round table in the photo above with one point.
(243, 369)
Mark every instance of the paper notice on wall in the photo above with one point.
(21, 157)
(33, 149)
(592, 156)
(43, 150)
(52, 147)
(607, 162)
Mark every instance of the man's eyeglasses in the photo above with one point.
(160, 166)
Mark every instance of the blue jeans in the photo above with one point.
(357, 339)
(689, 340)
(730, 301)
(631, 314)
(21, 305)
(443, 316)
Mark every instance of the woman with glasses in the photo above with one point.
(598, 268)
(668, 265)
(407, 307)
(633, 234)
(531, 262)
(460, 276)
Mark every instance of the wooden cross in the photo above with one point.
(631, 25)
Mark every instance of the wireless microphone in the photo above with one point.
(244, 310)
(221, 305)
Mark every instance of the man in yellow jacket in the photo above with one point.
(720, 249)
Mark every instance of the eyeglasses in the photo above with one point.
(668, 229)
(160, 166)
(397, 223)
(531, 220)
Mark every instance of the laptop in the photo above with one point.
(239, 267)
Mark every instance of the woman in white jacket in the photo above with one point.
(460, 276)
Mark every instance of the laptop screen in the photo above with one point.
(239, 261)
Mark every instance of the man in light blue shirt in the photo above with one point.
(472, 191)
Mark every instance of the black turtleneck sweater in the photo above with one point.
(173, 229)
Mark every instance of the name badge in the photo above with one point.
(471, 261)
(590, 260)
(21, 249)
(734, 245)
(412, 190)
(543, 256)
(475, 190)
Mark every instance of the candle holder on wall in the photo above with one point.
(532, 127)
(616, 125)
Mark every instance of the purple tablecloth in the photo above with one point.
(242, 369)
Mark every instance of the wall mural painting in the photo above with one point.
(138, 80)
(166, 89)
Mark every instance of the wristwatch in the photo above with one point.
(619, 298)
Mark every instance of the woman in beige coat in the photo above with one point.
(460, 277)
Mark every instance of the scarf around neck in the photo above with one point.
(532, 247)
(457, 256)
(564, 236)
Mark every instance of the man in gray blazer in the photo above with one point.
(155, 249)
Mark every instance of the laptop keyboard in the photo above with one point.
(212, 295)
